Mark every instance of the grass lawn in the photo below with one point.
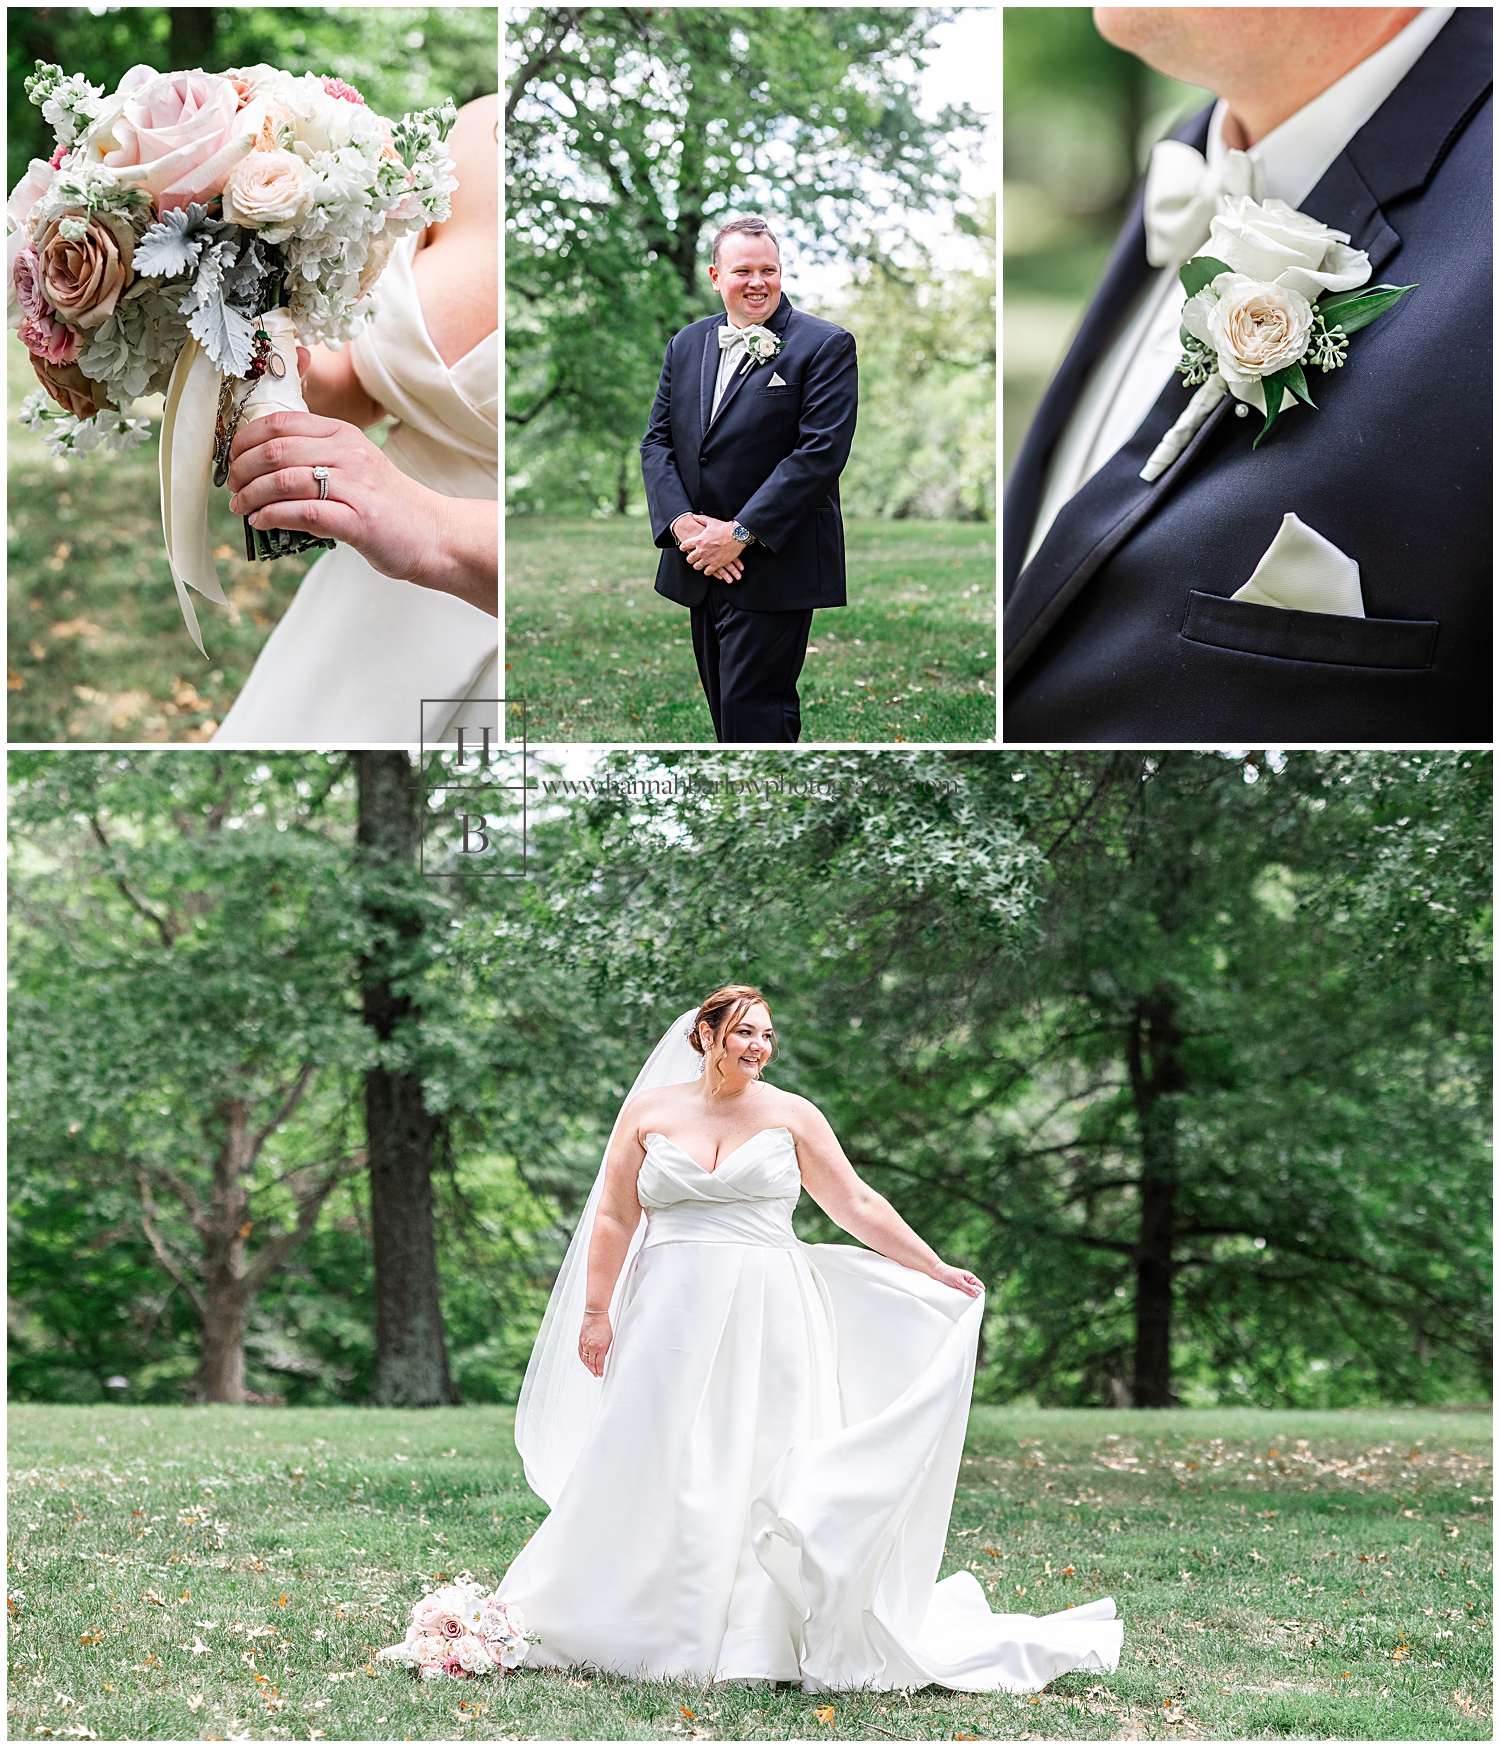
(218, 1573)
(98, 650)
(599, 656)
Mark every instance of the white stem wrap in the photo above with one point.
(1178, 438)
(187, 455)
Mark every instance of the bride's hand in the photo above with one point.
(403, 529)
(594, 1339)
(960, 1278)
(370, 504)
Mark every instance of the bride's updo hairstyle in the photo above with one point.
(722, 1010)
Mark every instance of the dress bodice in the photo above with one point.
(448, 437)
(747, 1199)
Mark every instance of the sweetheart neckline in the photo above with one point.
(712, 1170)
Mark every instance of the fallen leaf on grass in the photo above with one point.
(824, 1714)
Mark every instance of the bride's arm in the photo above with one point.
(615, 1221)
(333, 390)
(864, 1213)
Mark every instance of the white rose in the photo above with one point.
(270, 192)
(472, 1655)
(1254, 329)
(1273, 242)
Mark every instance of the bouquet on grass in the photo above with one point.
(460, 1632)
(188, 231)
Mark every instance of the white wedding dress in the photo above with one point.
(356, 652)
(761, 1487)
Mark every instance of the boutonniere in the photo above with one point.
(1273, 295)
(761, 346)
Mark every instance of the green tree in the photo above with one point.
(926, 383)
(630, 133)
(1204, 1098)
(178, 1019)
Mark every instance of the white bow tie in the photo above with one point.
(730, 337)
(1183, 195)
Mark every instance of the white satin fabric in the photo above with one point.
(356, 652)
(763, 1490)
(1304, 571)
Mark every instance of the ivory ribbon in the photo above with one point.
(187, 455)
(1178, 438)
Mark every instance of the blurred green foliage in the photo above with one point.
(1081, 117)
(397, 57)
(633, 133)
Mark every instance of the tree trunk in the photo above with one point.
(411, 1358)
(191, 42)
(1156, 1073)
(622, 487)
(221, 1364)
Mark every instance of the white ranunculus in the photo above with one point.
(1273, 242)
(270, 192)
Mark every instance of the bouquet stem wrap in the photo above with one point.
(187, 454)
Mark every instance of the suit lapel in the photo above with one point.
(707, 377)
(777, 325)
(1395, 152)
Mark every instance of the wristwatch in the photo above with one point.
(743, 534)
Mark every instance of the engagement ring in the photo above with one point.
(320, 474)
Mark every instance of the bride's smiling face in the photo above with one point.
(747, 1045)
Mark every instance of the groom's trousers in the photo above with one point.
(749, 663)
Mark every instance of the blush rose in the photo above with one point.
(269, 192)
(174, 134)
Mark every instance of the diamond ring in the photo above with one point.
(320, 474)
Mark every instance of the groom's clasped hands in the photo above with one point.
(709, 545)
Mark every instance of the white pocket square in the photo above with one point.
(776, 381)
(1302, 570)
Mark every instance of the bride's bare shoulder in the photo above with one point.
(798, 1114)
(652, 1108)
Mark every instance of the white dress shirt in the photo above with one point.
(730, 359)
(1130, 375)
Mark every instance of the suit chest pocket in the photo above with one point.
(782, 392)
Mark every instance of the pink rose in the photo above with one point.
(44, 338)
(25, 275)
(271, 192)
(451, 1627)
(178, 130)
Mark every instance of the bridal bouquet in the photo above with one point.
(458, 1631)
(188, 231)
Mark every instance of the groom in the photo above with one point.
(751, 428)
(1334, 584)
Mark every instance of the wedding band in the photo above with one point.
(320, 474)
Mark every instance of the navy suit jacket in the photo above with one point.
(770, 458)
(1119, 628)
